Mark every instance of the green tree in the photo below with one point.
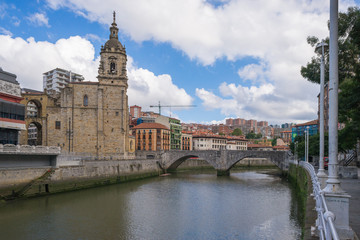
(237, 132)
(313, 145)
(273, 142)
(252, 135)
(349, 76)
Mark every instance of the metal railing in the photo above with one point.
(325, 221)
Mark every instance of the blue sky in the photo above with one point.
(230, 58)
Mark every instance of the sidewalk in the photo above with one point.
(352, 187)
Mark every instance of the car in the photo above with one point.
(326, 163)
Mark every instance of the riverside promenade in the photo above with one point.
(352, 187)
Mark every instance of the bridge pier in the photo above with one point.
(223, 172)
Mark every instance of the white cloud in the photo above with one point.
(261, 103)
(256, 73)
(273, 32)
(3, 9)
(16, 21)
(28, 59)
(94, 37)
(39, 19)
(145, 88)
(5, 31)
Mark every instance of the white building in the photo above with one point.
(236, 143)
(217, 142)
(56, 79)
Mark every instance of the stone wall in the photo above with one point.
(255, 162)
(67, 178)
(12, 180)
(302, 185)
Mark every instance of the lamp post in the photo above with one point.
(320, 48)
(336, 198)
(306, 153)
(333, 182)
(307, 143)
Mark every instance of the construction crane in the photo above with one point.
(170, 106)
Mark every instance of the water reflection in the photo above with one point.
(186, 205)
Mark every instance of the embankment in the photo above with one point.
(29, 182)
(301, 182)
(79, 174)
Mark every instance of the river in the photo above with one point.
(185, 205)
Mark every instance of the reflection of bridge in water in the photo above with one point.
(222, 161)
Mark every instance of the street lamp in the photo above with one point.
(307, 143)
(306, 149)
(333, 182)
(320, 48)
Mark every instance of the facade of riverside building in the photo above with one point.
(217, 142)
(12, 113)
(299, 129)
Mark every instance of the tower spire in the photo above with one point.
(114, 13)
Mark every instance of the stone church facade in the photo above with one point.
(92, 117)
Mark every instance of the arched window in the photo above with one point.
(112, 67)
(86, 100)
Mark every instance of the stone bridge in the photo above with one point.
(223, 160)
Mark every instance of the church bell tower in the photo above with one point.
(112, 69)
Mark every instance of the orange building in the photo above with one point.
(186, 141)
(152, 137)
(286, 136)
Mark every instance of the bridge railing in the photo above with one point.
(325, 221)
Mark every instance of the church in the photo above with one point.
(90, 118)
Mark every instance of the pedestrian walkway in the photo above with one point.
(352, 187)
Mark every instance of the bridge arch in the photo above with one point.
(175, 164)
(222, 160)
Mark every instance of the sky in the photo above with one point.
(229, 58)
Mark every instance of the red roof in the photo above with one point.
(209, 136)
(313, 122)
(242, 138)
(281, 147)
(258, 146)
(150, 126)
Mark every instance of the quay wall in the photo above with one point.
(78, 172)
(34, 181)
(302, 185)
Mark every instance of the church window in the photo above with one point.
(117, 113)
(86, 101)
(57, 124)
(112, 67)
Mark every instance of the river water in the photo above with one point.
(185, 205)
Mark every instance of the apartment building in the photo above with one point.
(56, 79)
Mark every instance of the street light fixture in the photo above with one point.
(320, 48)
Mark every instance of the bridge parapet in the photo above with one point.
(223, 160)
(30, 150)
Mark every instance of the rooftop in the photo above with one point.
(313, 122)
(150, 126)
(8, 77)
